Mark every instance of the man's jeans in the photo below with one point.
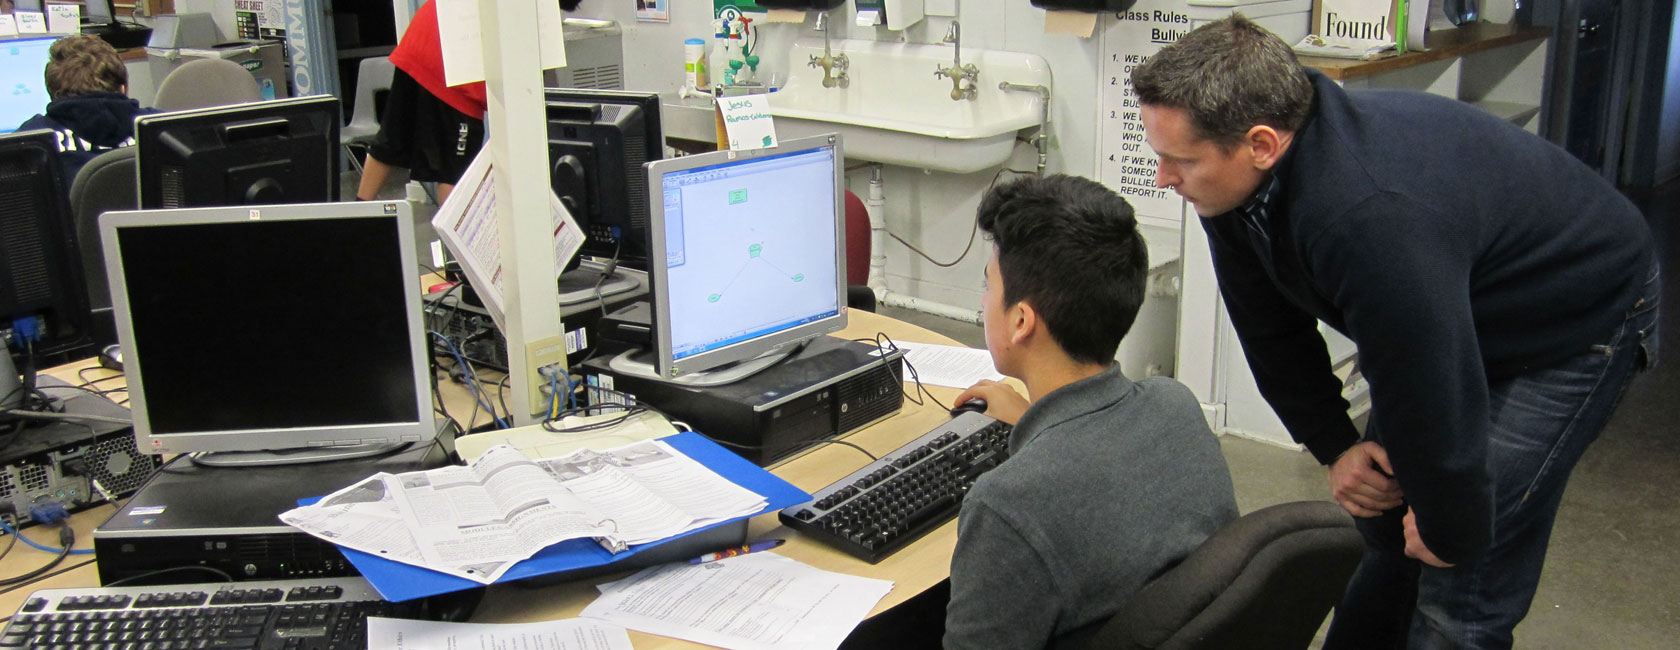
(1542, 422)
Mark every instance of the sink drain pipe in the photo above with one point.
(876, 205)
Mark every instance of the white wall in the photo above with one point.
(1668, 132)
(933, 211)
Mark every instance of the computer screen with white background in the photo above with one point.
(23, 85)
(750, 249)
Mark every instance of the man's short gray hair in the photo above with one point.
(1229, 76)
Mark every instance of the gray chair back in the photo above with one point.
(107, 183)
(1266, 580)
(203, 83)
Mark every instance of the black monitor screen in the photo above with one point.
(598, 141)
(264, 153)
(270, 324)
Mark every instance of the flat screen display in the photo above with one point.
(23, 85)
(750, 249)
(269, 327)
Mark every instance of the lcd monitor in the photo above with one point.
(262, 153)
(98, 12)
(23, 86)
(270, 328)
(43, 299)
(598, 141)
(748, 255)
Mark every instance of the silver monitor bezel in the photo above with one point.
(659, 289)
(420, 428)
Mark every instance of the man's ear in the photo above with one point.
(1267, 145)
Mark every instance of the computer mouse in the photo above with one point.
(110, 356)
(973, 404)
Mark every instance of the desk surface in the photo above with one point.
(912, 570)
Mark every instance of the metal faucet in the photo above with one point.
(959, 73)
(829, 62)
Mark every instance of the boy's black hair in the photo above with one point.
(1070, 248)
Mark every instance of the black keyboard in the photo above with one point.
(906, 494)
(311, 614)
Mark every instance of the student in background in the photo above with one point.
(1501, 294)
(430, 128)
(90, 110)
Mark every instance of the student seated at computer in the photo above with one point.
(90, 109)
(1109, 480)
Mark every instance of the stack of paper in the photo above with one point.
(477, 521)
(756, 601)
(568, 634)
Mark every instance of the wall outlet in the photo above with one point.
(546, 352)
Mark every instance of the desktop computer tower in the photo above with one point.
(228, 518)
(831, 388)
(74, 465)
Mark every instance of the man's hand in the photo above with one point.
(1002, 402)
(1359, 487)
(1414, 544)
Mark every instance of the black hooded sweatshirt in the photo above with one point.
(88, 125)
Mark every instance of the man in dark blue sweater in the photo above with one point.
(1501, 295)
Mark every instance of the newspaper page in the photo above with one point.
(476, 521)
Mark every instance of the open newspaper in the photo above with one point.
(476, 521)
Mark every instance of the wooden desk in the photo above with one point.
(912, 569)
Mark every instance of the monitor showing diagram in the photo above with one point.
(23, 90)
(752, 248)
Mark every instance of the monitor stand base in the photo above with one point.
(640, 364)
(294, 456)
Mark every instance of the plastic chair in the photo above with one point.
(373, 76)
(858, 248)
(107, 183)
(203, 83)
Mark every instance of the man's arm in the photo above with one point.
(1002, 594)
(1284, 348)
(1400, 272)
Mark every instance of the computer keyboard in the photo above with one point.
(916, 488)
(310, 614)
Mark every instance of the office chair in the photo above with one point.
(373, 76)
(858, 249)
(107, 183)
(202, 83)
(1266, 580)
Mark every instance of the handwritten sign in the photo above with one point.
(747, 121)
(64, 19)
(31, 22)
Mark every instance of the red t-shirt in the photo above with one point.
(420, 54)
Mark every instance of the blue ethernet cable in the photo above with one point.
(472, 381)
(13, 532)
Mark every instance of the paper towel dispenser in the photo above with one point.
(1080, 5)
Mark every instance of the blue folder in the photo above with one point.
(397, 581)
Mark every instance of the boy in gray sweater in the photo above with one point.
(1109, 480)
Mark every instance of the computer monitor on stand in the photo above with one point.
(43, 299)
(598, 141)
(747, 259)
(262, 153)
(291, 331)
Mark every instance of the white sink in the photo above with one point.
(895, 111)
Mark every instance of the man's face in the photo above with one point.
(995, 317)
(1213, 180)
